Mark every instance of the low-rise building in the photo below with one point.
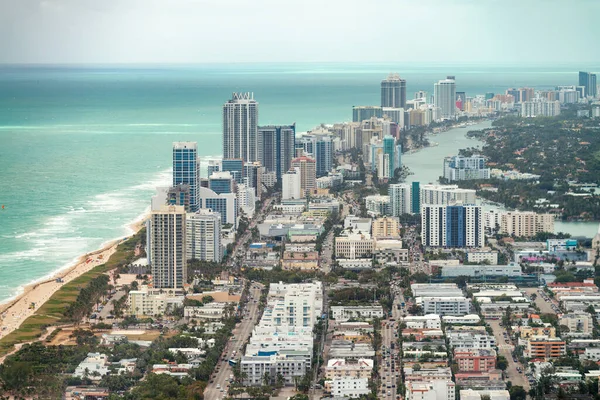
(434, 390)
(579, 324)
(545, 348)
(471, 340)
(470, 319)
(152, 302)
(345, 313)
(208, 312)
(445, 305)
(491, 257)
(453, 271)
(348, 387)
(470, 394)
(94, 366)
(355, 245)
(341, 368)
(475, 360)
(426, 321)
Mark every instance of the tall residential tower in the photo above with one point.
(186, 169)
(167, 247)
(393, 92)
(276, 146)
(240, 119)
(445, 97)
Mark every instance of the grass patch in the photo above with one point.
(52, 311)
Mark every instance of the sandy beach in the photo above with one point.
(14, 312)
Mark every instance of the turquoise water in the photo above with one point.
(82, 148)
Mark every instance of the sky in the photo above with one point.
(246, 31)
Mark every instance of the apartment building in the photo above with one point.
(344, 313)
(525, 223)
(346, 369)
(475, 360)
(546, 348)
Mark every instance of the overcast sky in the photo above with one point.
(198, 31)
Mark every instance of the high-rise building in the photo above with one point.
(460, 168)
(308, 174)
(203, 231)
(291, 185)
(540, 107)
(525, 223)
(253, 177)
(393, 92)
(445, 97)
(362, 113)
(179, 196)
(186, 169)
(389, 149)
(221, 183)
(445, 194)
(323, 153)
(415, 198)
(240, 120)
(225, 204)
(400, 199)
(234, 166)
(452, 226)
(461, 100)
(276, 145)
(385, 227)
(167, 247)
(588, 80)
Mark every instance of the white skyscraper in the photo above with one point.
(291, 185)
(167, 247)
(203, 231)
(445, 97)
(400, 199)
(240, 120)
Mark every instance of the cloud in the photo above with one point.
(196, 31)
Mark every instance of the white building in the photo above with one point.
(434, 390)
(291, 188)
(482, 256)
(444, 305)
(358, 224)
(355, 245)
(446, 194)
(539, 107)
(225, 204)
(203, 232)
(580, 324)
(444, 92)
(377, 205)
(400, 199)
(470, 394)
(470, 319)
(453, 271)
(246, 199)
(348, 387)
(470, 340)
(461, 168)
(151, 302)
(345, 313)
(282, 342)
(431, 321)
(95, 366)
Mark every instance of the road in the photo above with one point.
(389, 369)
(217, 387)
(108, 308)
(239, 250)
(504, 349)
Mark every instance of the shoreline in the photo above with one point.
(15, 311)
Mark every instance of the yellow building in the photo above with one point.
(385, 227)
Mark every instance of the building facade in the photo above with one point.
(393, 92)
(452, 226)
(308, 174)
(168, 247)
(276, 146)
(240, 120)
(203, 231)
(445, 98)
(186, 169)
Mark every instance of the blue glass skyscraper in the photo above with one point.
(323, 152)
(388, 149)
(186, 169)
(277, 148)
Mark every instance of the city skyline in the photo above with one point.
(143, 32)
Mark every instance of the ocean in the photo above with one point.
(82, 148)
